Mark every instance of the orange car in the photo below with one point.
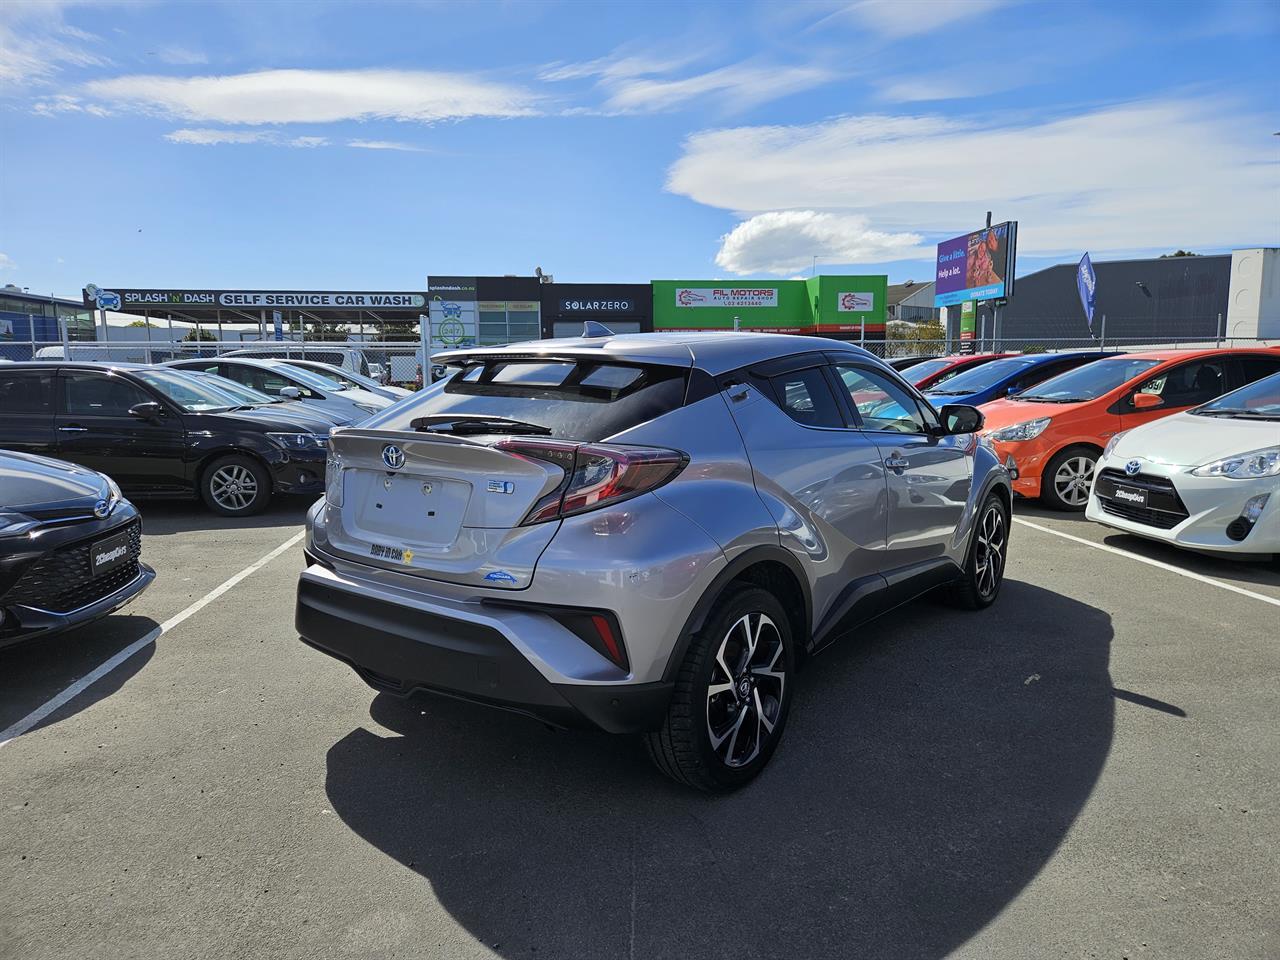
(1053, 433)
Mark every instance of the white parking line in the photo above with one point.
(1153, 563)
(17, 729)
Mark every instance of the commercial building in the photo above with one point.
(912, 302)
(27, 318)
(846, 307)
(622, 307)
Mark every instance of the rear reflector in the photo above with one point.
(595, 474)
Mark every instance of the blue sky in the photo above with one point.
(362, 146)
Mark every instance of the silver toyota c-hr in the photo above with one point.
(645, 534)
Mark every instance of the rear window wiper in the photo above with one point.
(475, 423)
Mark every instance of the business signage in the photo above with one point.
(273, 299)
(855, 302)
(1087, 285)
(735, 297)
(451, 288)
(977, 266)
(968, 325)
(588, 305)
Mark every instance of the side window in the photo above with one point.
(1250, 369)
(1044, 372)
(203, 368)
(806, 398)
(26, 392)
(1189, 384)
(99, 395)
(881, 403)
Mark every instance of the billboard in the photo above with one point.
(977, 266)
(736, 297)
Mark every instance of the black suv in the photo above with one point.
(161, 432)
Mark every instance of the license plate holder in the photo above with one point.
(1132, 496)
(108, 554)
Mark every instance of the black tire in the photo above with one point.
(249, 481)
(1074, 497)
(988, 554)
(683, 749)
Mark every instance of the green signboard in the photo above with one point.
(826, 304)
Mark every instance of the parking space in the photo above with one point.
(1089, 768)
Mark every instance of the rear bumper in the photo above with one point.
(402, 650)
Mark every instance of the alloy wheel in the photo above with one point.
(1071, 480)
(989, 555)
(234, 487)
(744, 697)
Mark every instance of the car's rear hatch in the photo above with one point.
(426, 490)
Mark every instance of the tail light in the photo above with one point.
(595, 474)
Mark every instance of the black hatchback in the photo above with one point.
(162, 432)
(70, 547)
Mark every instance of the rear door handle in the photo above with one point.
(74, 429)
(896, 462)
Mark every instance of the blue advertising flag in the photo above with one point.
(1087, 284)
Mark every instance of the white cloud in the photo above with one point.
(1129, 177)
(788, 240)
(896, 18)
(645, 82)
(385, 145)
(308, 142)
(317, 96)
(209, 138)
(6, 262)
(65, 103)
(36, 43)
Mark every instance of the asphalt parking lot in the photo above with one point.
(1088, 769)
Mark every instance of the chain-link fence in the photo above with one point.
(400, 362)
(395, 362)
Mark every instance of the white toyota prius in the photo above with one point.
(1207, 479)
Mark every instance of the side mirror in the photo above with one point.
(146, 411)
(290, 393)
(1146, 401)
(960, 418)
(1012, 389)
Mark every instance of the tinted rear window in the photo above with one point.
(26, 391)
(586, 400)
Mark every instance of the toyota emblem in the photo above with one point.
(1132, 467)
(393, 456)
(101, 509)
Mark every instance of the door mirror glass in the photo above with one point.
(1146, 401)
(290, 393)
(149, 410)
(1012, 389)
(960, 418)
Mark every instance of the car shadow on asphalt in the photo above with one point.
(34, 672)
(932, 765)
(166, 517)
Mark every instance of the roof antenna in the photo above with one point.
(592, 329)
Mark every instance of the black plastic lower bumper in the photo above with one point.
(23, 623)
(402, 650)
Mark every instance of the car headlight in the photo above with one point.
(113, 488)
(1027, 430)
(300, 441)
(367, 407)
(1111, 444)
(1247, 466)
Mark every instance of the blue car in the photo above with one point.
(1003, 378)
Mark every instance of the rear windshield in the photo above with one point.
(574, 400)
(927, 368)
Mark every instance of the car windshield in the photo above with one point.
(927, 368)
(583, 400)
(191, 392)
(309, 377)
(984, 375)
(1260, 400)
(345, 378)
(1090, 381)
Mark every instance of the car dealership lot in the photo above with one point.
(1089, 768)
